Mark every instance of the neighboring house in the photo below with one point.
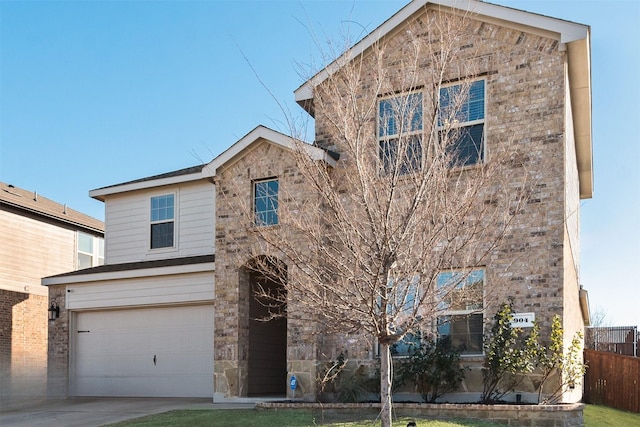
(38, 237)
(163, 317)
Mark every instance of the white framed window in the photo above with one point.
(461, 118)
(400, 133)
(404, 306)
(90, 250)
(162, 218)
(461, 303)
(265, 202)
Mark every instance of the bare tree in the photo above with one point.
(415, 192)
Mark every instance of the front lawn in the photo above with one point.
(283, 418)
(601, 416)
(594, 416)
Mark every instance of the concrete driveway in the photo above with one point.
(93, 412)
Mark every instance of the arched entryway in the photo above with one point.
(267, 361)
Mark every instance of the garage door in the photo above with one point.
(150, 352)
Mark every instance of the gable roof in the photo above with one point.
(207, 171)
(573, 37)
(34, 203)
(273, 137)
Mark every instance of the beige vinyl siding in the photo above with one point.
(196, 220)
(127, 218)
(31, 249)
(170, 289)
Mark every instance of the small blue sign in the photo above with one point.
(293, 382)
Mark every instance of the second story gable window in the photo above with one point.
(400, 133)
(265, 202)
(461, 122)
(162, 221)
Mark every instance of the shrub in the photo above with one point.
(553, 358)
(434, 368)
(507, 357)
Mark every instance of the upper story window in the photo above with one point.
(461, 122)
(162, 221)
(462, 304)
(90, 250)
(400, 133)
(265, 202)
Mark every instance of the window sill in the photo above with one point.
(163, 250)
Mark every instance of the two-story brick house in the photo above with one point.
(171, 312)
(38, 237)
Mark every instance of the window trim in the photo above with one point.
(467, 124)
(173, 247)
(385, 139)
(254, 184)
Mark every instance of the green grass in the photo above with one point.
(601, 416)
(594, 416)
(287, 418)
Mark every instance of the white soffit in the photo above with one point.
(142, 185)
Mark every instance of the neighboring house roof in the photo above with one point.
(207, 171)
(34, 203)
(573, 37)
(101, 272)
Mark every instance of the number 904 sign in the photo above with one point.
(522, 320)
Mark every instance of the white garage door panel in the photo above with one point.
(116, 356)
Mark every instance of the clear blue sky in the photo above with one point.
(94, 93)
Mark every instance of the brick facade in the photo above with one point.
(236, 245)
(23, 344)
(526, 100)
(526, 105)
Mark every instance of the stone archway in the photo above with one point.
(267, 337)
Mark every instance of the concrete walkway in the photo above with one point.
(94, 411)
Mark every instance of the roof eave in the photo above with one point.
(101, 193)
(579, 63)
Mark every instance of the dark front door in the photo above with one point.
(267, 345)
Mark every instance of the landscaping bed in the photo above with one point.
(564, 415)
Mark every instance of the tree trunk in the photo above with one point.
(385, 384)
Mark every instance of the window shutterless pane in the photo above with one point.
(411, 160)
(453, 108)
(162, 207)
(468, 148)
(84, 261)
(407, 345)
(465, 332)
(400, 114)
(265, 203)
(85, 243)
(162, 235)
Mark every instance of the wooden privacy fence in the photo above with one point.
(612, 380)
(613, 339)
